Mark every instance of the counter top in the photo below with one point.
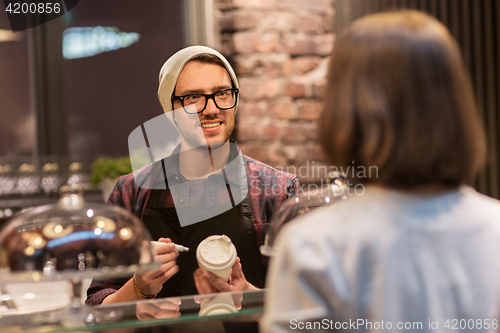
(208, 313)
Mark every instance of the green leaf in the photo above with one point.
(109, 167)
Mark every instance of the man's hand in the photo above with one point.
(151, 282)
(208, 283)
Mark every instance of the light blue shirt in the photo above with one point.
(389, 256)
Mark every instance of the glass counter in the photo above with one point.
(224, 312)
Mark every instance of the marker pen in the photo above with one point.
(178, 248)
(181, 248)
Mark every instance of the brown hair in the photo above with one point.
(208, 58)
(398, 98)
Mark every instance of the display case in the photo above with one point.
(178, 314)
(60, 245)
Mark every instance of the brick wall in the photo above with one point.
(279, 49)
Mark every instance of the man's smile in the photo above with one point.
(211, 126)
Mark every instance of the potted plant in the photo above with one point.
(106, 170)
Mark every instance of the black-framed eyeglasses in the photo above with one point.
(224, 99)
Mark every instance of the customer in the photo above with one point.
(418, 251)
(199, 94)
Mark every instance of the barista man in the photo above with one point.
(199, 93)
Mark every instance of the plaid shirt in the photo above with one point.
(268, 188)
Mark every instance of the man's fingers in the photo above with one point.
(157, 273)
(152, 281)
(146, 311)
(202, 285)
(236, 270)
(165, 271)
(216, 282)
(165, 249)
(172, 255)
(169, 304)
(237, 298)
(170, 272)
(173, 300)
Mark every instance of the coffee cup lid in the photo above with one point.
(217, 250)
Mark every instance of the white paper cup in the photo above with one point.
(216, 254)
(222, 303)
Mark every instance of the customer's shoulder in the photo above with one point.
(479, 203)
(257, 168)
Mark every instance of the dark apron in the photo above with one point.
(237, 223)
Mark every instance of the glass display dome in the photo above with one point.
(73, 240)
(334, 191)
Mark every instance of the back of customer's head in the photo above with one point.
(398, 98)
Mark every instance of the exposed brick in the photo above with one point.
(278, 21)
(273, 68)
(238, 20)
(305, 64)
(244, 65)
(287, 67)
(249, 88)
(314, 153)
(271, 88)
(257, 88)
(247, 132)
(308, 110)
(278, 48)
(224, 5)
(329, 23)
(318, 89)
(257, 152)
(226, 22)
(299, 133)
(268, 43)
(254, 3)
(251, 110)
(262, 64)
(295, 89)
(325, 43)
(283, 110)
(227, 45)
(309, 23)
(291, 153)
(270, 132)
(313, 5)
(245, 42)
(300, 44)
(276, 156)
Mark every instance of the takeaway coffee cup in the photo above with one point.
(221, 303)
(216, 254)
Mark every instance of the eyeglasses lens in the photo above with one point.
(223, 99)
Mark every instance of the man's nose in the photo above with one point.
(211, 108)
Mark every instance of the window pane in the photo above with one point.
(16, 124)
(112, 92)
